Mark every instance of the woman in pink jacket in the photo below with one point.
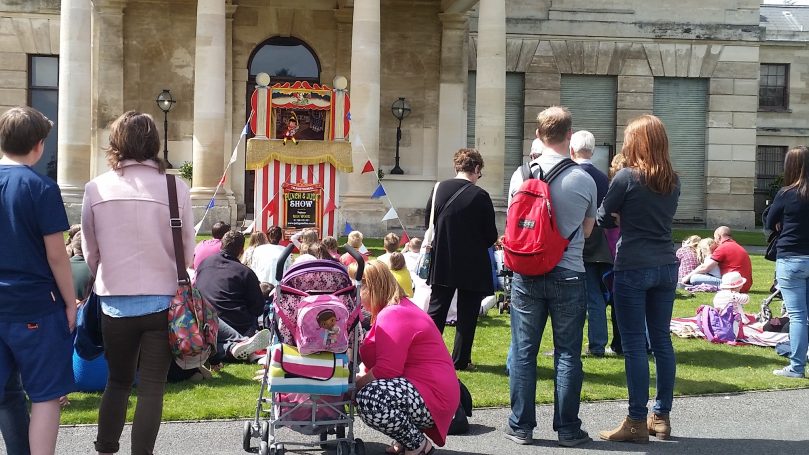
(408, 387)
(128, 245)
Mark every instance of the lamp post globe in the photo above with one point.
(165, 102)
(400, 109)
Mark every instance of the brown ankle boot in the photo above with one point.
(628, 431)
(659, 425)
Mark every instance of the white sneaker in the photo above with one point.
(243, 349)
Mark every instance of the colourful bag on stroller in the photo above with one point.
(322, 325)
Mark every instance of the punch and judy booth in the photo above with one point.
(300, 145)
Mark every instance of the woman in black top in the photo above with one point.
(464, 230)
(789, 214)
(642, 199)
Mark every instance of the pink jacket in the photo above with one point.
(126, 236)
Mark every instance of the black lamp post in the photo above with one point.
(400, 109)
(165, 102)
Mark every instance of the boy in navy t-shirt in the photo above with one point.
(37, 300)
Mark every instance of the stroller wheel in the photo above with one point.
(263, 448)
(247, 435)
(343, 448)
(359, 447)
(265, 431)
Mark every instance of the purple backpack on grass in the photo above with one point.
(720, 325)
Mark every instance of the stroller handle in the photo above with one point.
(357, 257)
(279, 269)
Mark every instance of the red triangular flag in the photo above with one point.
(369, 167)
(329, 207)
(270, 207)
(404, 239)
(222, 180)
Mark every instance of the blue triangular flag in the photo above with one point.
(348, 229)
(246, 129)
(211, 204)
(348, 115)
(379, 192)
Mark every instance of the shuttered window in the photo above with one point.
(515, 105)
(682, 106)
(591, 102)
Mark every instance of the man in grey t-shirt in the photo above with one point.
(559, 294)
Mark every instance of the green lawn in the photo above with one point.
(702, 368)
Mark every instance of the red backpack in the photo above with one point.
(532, 244)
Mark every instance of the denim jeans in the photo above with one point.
(644, 299)
(703, 278)
(793, 280)
(597, 335)
(14, 416)
(559, 294)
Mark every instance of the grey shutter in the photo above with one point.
(515, 108)
(515, 102)
(470, 109)
(591, 100)
(682, 106)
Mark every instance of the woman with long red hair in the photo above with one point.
(642, 200)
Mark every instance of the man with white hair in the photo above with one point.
(597, 256)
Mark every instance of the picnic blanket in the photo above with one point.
(754, 333)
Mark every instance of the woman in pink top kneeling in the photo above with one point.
(409, 387)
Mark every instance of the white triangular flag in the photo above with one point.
(235, 152)
(199, 226)
(355, 140)
(391, 215)
(249, 228)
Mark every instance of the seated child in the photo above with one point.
(729, 293)
(391, 244)
(687, 255)
(355, 241)
(711, 276)
(331, 245)
(399, 270)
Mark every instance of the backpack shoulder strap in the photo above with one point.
(525, 170)
(558, 169)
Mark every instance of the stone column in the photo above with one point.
(364, 92)
(452, 92)
(209, 110)
(73, 164)
(490, 114)
(356, 204)
(234, 185)
(108, 76)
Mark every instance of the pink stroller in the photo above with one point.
(310, 400)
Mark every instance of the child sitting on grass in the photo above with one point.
(729, 293)
(354, 241)
(391, 244)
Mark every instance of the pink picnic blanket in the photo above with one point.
(752, 329)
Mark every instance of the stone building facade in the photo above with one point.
(631, 56)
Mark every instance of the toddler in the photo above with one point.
(729, 293)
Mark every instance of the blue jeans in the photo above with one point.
(792, 273)
(596, 308)
(560, 294)
(644, 299)
(14, 416)
(703, 278)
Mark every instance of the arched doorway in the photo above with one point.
(285, 59)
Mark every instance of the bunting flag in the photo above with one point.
(355, 140)
(379, 192)
(249, 228)
(223, 179)
(404, 239)
(330, 207)
(198, 226)
(211, 204)
(348, 229)
(369, 167)
(391, 215)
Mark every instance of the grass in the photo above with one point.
(747, 238)
(701, 368)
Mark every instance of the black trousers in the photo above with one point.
(468, 310)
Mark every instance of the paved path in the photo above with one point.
(750, 423)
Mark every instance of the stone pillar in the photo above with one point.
(490, 116)
(452, 92)
(234, 185)
(209, 111)
(355, 202)
(364, 92)
(73, 164)
(108, 76)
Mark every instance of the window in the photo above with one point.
(43, 95)
(591, 101)
(773, 92)
(285, 59)
(769, 166)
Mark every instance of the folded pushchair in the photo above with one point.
(308, 381)
(765, 314)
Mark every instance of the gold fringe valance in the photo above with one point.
(260, 152)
